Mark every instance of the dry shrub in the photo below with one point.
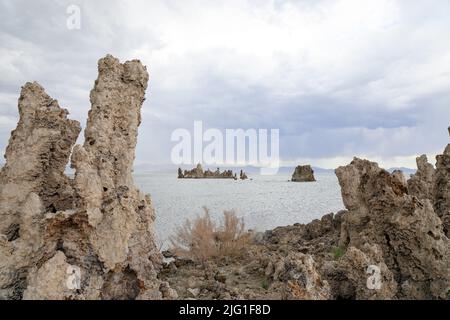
(201, 239)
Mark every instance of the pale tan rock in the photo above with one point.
(194, 292)
(421, 183)
(305, 282)
(168, 293)
(36, 156)
(441, 188)
(120, 216)
(51, 281)
(31, 182)
(408, 231)
(99, 223)
(367, 273)
(299, 277)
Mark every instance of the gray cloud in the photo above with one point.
(338, 78)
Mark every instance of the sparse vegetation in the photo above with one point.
(265, 284)
(201, 239)
(337, 252)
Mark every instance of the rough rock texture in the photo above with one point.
(32, 182)
(258, 273)
(50, 281)
(36, 156)
(421, 183)
(407, 230)
(299, 276)
(99, 223)
(351, 273)
(283, 263)
(303, 174)
(442, 187)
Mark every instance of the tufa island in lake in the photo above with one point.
(199, 173)
(303, 174)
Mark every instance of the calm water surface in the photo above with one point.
(264, 202)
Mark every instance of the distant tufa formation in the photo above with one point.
(303, 174)
(242, 175)
(90, 237)
(199, 173)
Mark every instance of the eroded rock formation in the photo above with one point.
(442, 188)
(298, 276)
(32, 182)
(243, 175)
(421, 183)
(199, 173)
(408, 232)
(95, 231)
(303, 174)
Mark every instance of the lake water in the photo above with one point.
(265, 202)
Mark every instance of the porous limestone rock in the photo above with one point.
(32, 182)
(36, 156)
(421, 183)
(52, 280)
(366, 273)
(303, 174)
(408, 232)
(299, 277)
(98, 223)
(442, 188)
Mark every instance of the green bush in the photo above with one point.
(265, 284)
(337, 252)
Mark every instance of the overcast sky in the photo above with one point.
(338, 78)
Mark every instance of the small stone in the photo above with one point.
(221, 277)
(194, 292)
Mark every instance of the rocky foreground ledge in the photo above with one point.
(91, 237)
